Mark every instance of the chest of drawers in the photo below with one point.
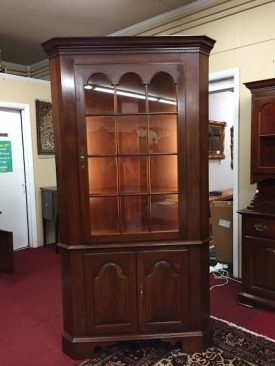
(258, 259)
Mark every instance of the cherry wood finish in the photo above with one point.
(258, 265)
(132, 178)
(258, 219)
(262, 129)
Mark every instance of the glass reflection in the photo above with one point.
(133, 174)
(163, 172)
(104, 215)
(132, 134)
(100, 135)
(162, 134)
(134, 214)
(102, 173)
(164, 212)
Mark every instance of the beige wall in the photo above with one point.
(25, 91)
(244, 40)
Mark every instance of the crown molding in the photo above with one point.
(173, 22)
(38, 70)
(168, 17)
(190, 16)
(29, 79)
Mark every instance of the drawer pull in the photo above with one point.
(260, 227)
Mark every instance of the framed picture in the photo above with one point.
(216, 132)
(44, 127)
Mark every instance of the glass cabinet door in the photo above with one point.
(132, 154)
(266, 128)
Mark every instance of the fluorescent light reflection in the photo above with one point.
(128, 94)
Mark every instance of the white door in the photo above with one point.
(13, 199)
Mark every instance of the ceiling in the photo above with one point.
(24, 25)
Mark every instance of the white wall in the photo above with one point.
(221, 108)
(17, 89)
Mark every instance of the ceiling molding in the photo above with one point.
(168, 17)
(190, 16)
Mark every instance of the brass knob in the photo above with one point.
(261, 227)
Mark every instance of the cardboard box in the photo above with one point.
(222, 230)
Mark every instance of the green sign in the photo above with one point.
(5, 157)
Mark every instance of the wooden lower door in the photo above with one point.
(110, 286)
(163, 290)
(259, 267)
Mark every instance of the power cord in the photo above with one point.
(222, 274)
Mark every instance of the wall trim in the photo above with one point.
(24, 79)
(189, 16)
(222, 81)
(29, 171)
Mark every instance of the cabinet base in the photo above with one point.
(84, 347)
(245, 298)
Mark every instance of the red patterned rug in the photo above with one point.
(232, 346)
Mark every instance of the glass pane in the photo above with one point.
(267, 151)
(164, 212)
(100, 135)
(130, 94)
(102, 175)
(134, 214)
(104, 215)
(163, 89)
(133, 174)
(132, 134)
(99, 95)
(163, 134)
(164, 173)
(267, 120)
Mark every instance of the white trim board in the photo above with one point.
(27, 145)
(24, 79)
(222, 81)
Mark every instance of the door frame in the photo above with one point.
(224, 81)
(24, 110)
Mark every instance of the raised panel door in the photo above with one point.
(163, 290)
(259, 267)
(110, 285)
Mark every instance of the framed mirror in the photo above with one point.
(216, 133)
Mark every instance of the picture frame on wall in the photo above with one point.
(216, 135)
(44, 128)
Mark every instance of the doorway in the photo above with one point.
(17, 197)
(226, 84)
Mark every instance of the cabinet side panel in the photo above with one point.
(66, 148)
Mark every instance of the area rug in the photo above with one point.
(231, 346)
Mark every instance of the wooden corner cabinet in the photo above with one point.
(131, 131)
(258, 219)
(262, 129)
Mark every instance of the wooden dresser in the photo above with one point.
(258, 219)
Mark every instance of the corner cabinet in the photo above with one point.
(131, 131)
(262, 129)
(258, 219)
